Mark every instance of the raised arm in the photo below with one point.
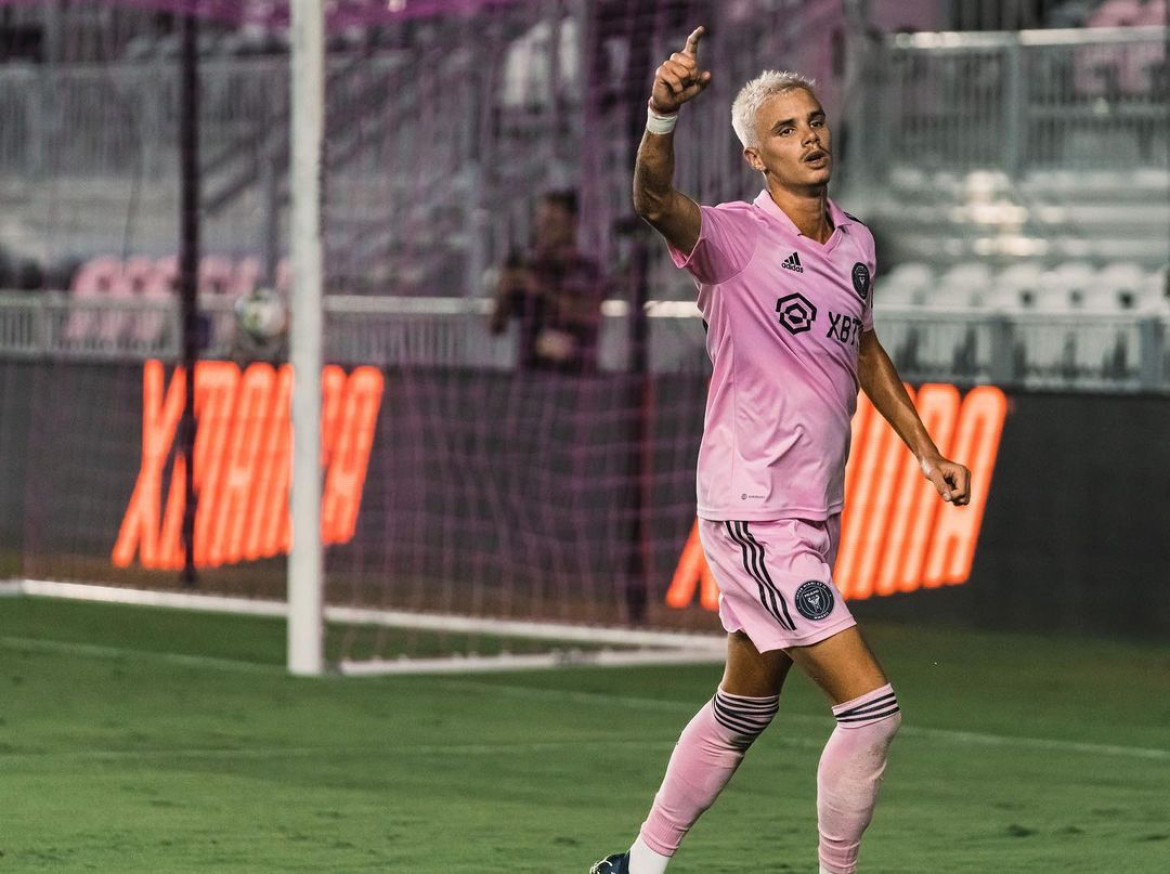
(880, 381)
(670, 212)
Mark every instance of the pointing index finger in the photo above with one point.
(693, 41)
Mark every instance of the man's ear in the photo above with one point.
(753, 159)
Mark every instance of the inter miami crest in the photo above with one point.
(861, 280)
(814, 600)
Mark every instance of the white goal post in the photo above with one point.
(306, 610)
(306, 558)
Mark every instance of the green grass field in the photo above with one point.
(136, 740)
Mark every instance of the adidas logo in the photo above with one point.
(792, 262)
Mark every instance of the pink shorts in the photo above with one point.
(776, 579)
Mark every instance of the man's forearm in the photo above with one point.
(654, 176)
(881, 383)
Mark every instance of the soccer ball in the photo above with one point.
(261, 315)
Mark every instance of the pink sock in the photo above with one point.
(850, 775)
(707, 754)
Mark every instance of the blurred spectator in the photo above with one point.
(1128, 13)
(554, 291)
(1117, 71)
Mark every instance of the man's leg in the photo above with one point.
(710, 749)
(854, 759)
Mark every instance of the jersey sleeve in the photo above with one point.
(870, 253)
(867, 311)
(727, 241)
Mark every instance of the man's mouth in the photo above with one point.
(816, 156)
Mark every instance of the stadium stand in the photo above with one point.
(1007, 176)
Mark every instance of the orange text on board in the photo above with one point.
(896, 534)
(242, 462)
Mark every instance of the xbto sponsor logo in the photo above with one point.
(845, 329)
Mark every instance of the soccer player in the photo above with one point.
(786, 291)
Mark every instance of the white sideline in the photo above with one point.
(68, 647)
(681, 707)
(687, 649)
(388, 749)
(459, 664)
(943, 734)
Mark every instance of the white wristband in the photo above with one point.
(660, 124)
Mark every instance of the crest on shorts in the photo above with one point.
(861, 280)
(814, 600)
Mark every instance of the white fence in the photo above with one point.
(1085, 351)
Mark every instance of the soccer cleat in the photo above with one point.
(618, 863)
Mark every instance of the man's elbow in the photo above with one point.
(645, 208)
(650, 206)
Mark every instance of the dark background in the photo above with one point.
(512, 493)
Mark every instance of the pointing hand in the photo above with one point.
(679, 78)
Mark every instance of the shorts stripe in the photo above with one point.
(767, 597)
(753, 563)
(768, 578)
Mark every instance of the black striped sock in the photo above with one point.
(744, 717)
(868, 708)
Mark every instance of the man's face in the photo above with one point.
(556, 226)
(794, 146)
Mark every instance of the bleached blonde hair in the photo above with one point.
(752, 96)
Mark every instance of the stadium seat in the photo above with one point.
(160, 286)
(963, 285)
(246, 275)
(216, 276)
(1002, 299)
(116, 322)
(1064, 287)
(1154, 296)
(905, 286)
(1117, 70)
(1015, 286)
(94, 280)
(1117, 287)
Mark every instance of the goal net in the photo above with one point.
(476, 510)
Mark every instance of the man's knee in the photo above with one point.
(742, 718)
(878, 711)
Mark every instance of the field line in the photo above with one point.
(972, 738)
(113, 652)
(387, 749)
(681, 707)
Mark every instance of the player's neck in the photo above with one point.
(808, 209)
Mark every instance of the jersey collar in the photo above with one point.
(765, 202)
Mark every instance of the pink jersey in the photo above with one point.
(784, 318)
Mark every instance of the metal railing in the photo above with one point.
(1096, 98)
(1118, 352)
